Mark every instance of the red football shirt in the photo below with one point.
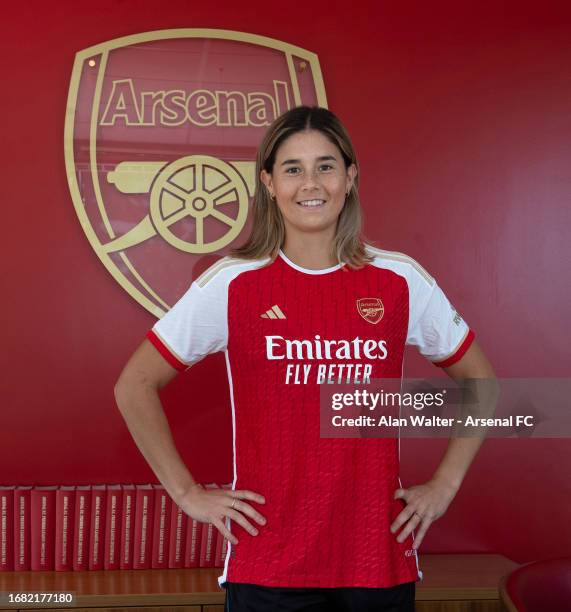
(329, 502)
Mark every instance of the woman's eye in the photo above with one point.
(325, 167)
(292, 170)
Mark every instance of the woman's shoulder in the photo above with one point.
(398, 262)
(227, 268)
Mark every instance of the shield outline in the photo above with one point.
(381, 305)
(103, 50)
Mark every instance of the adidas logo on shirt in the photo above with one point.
(274, 312)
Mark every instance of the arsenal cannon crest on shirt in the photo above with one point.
(161, 135)
(371, 309)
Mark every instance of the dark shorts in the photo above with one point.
(254, 598)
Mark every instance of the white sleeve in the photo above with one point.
(435, 326)
(195, 326)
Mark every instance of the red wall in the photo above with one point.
(461, 119)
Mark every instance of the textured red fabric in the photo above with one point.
(329, 502)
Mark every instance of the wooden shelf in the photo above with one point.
(447, 578)
(173, 587)
(470, 577)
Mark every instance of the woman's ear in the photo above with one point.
(266, 178)
(351, 174)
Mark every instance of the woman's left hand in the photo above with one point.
(424, 504)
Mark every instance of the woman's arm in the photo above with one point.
(137, 396)
(427, 502)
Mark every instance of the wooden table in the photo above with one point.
(452, 583)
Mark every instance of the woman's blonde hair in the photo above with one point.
(268, 229)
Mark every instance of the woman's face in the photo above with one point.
(310, 182)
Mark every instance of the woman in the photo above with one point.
(314, 523)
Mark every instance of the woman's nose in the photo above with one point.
(311, 180)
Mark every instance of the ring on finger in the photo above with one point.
(233, 503)
(417, 514)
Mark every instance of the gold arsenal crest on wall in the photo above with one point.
(161, 135)
(371, 309)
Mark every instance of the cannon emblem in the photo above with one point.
(189, 192)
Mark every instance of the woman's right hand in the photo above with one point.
(213, 505)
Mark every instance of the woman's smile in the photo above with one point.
(312, 203)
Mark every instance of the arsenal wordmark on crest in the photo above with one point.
(161, 135)
(371, 309)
